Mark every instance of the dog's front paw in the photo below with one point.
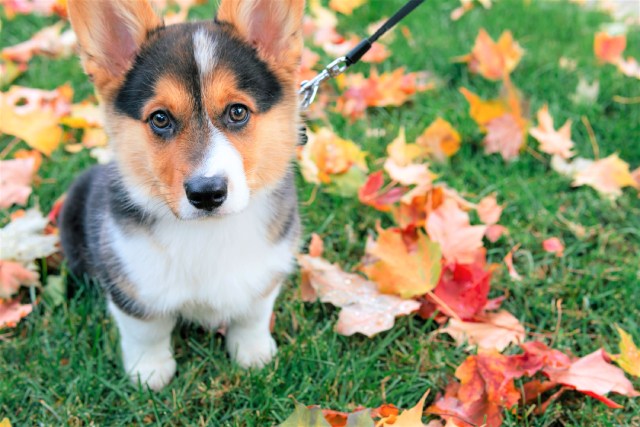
(251, 350)
(155, 372)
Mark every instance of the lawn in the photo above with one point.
(61, 365)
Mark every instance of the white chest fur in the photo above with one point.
(208, 271)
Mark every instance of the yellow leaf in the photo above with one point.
(84, 114)
(398, 270)
(5, 423)
(326, 155)
(402, 153)
(440, 139)
(411, 417)
(32, 115)
(345, 7)
(608, 176)
(481, 111)
(492, 60)
(629, 357)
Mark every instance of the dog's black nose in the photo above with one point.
(206, 193)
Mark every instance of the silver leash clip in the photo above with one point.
(309, 88)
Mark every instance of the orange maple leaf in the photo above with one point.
(378, 90)
(608, 48)
(492, 60)
(501, 119)
(440, 139)
(399, 271)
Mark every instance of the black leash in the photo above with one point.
(309, 88)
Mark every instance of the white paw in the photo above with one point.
(155, 372)
(251, 350)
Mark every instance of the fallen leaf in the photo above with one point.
(15, 181)
(501, 119)
(411, 174)
(467, 5)
(326, 155)
(401, 152)
(410, 417)
(5, 422)
(84, 115)
(378, 90)
(38, 7)
(450, 227)
(551, 141)
(464, 288)
(495, 331)
(32, 115)
(608, 48)
(505, 136)
(630, 67)
(12, 276)
(570, 169)
(494, 61)
(554, 246)
(346, 7)
(508, 260)
(51, 42)
(607, 176)
(494, 232)
(364, 309)
(440, 140)
(629, 357)
(488, 209)
(56, 290)
(373, 194)
(485, 389)
(399, 271)
(586, 93)
(11, 312)
(9, 71)
(23, 239)
(594, 376)
(305, 417)
(481, 111)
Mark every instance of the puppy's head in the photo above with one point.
(201, 116)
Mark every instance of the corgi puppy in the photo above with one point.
(196, 218)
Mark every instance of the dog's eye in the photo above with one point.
(160, 122)
(238, 114)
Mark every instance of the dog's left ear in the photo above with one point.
(273, 27)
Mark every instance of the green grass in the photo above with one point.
(61, 366)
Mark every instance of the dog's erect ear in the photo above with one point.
(273, 27)
(110, 33)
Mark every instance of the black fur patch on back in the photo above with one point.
(170, 51)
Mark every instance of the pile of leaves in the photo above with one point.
(432, 262)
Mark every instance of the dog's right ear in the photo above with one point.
(110, 33)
